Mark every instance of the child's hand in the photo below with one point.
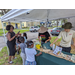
(40, 53)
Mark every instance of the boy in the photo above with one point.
(30, 54)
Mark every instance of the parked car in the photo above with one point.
(34, 29)
(56, 31)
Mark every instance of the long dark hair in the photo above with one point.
(24, 34)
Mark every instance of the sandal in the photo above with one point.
(10, 62)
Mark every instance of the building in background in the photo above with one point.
(16, 25)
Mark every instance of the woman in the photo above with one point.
(11, 42)
(45, 37)
(67, 35)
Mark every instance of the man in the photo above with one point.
(67, 35)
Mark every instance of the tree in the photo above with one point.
(63, 21)
(4, 11)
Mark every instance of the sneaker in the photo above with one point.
(10, 62)
(15, 58)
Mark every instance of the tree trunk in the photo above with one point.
(64, 21)
(57, 23)
(31, 23)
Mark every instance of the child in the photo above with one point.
(25, 37)
(30, 54)
(18, 42)
(22, 46)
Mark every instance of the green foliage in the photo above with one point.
(38, 25)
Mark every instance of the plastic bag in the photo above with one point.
(37, 45)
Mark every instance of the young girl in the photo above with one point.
(30, 54)
(22, 46)
(17, 43)
(25, 37)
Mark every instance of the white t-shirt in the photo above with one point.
(66, 38)
(30, 54)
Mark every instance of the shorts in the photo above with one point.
(30, 63)
(17, 46)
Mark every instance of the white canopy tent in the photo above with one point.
(22, 15)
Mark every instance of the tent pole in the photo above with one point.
(20, 25)
(5, 37)
(47, 17)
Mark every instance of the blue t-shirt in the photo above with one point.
(25, 39)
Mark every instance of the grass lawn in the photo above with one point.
(53, 27)
(4, 58)
(15, 30)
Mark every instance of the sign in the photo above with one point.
(57, 50)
